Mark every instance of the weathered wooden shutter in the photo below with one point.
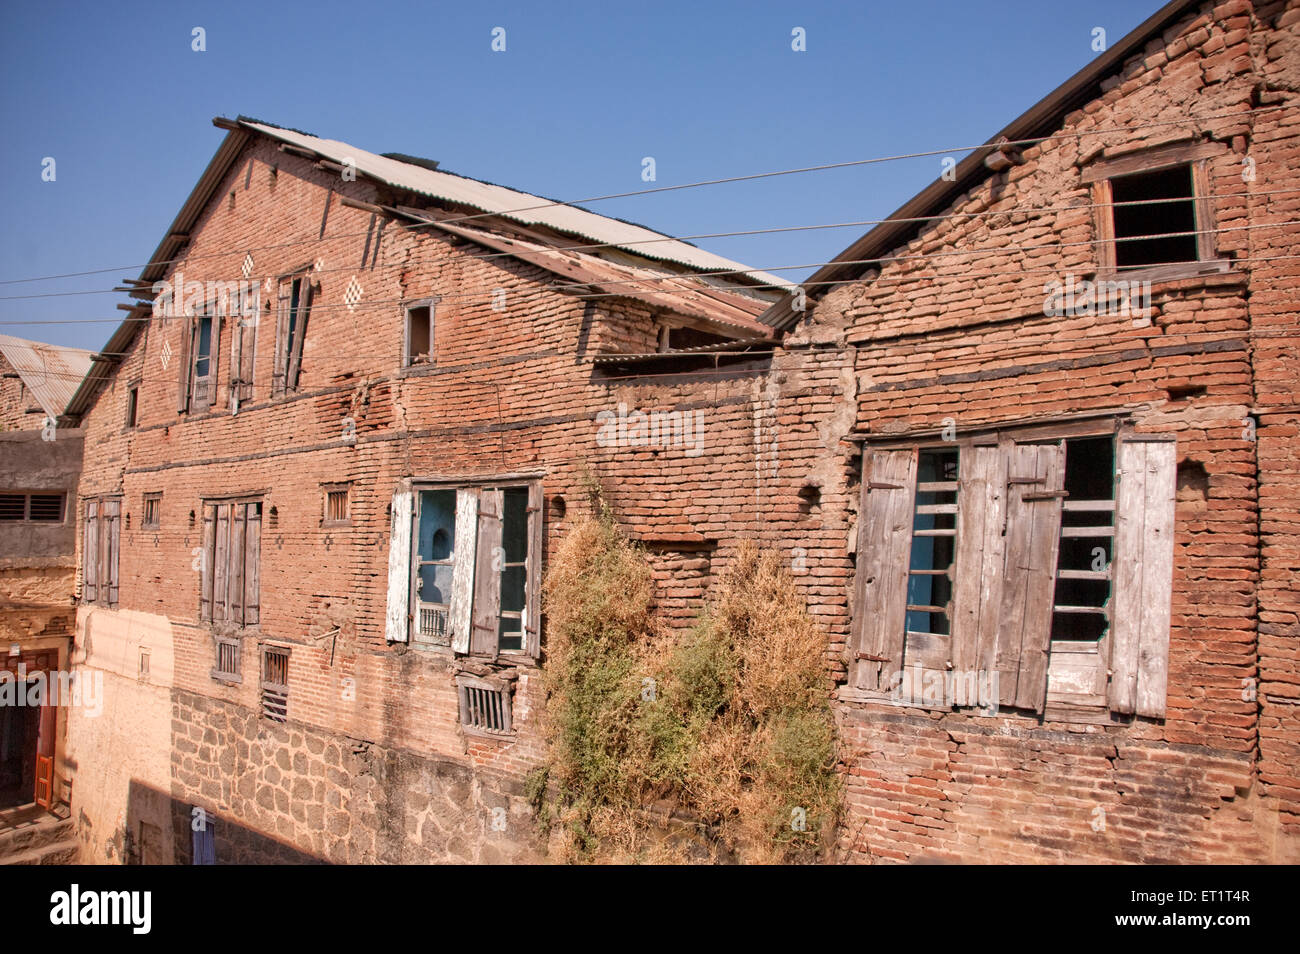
(221, 566)
(214, 356)
(463, 560)
(299, 333)
(536, 536)
(205, 562)
(487, 574)
(284, 300)
(245, 330)
(183, 369)
(1036, 475)
(235, 580)
(112, 547)
(397, 620)
(884, 544)
(1143, 562)
(977, 595)
(90, 554)
(253, 565)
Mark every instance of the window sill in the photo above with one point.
(1218, 271)
(226, 678)
(415, 370)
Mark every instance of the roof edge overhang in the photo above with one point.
(1035, 123)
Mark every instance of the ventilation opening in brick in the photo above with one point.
(1184, 392)
(1193, 481)
(46, 508)
(1081, 601)
(227, 659)
(484, 707)
(810, 499)
(419, 334)
(1165, 206)
(558, 507)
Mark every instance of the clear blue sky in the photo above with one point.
(115, 94)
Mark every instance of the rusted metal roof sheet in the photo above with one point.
(51, 372)
(519, 206)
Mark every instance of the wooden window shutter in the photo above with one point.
(253, 565)
(977, 597)
(90, 554)
(462, 584)
(487, 574)
(205, 562)
(536, 536)
(1036, 475)
(283, 301)
(183, 368)
(221, 566)
(397, 620)
(884, 543)
(1144, 555)
(214, 355)
(236, 349)
(299, 333)
(247, 336)
(111, 544)
(235, 573)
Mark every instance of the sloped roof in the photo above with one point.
(1039, 121)
(51, 372)
(521, 207)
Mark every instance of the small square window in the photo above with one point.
(484, 706)
(337, 512)
(227, 660)
(152, 518)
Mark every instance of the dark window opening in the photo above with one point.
(679, 338)
(275, 684)
(13, 506)
(1133, 222)
(1081, 609)
(132, 406)
(419, 335)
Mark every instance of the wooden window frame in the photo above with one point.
(432, 357)
(243, 346)
(199, 392)
(472, 588)
(102, 532)
(230, 601)
(1197, 156)
(156, 522)
(327, 490)
(270, 690)
(133, 406)
(472, 692)
(27, 519)
(237, 645)
(870, 659)
(286, 375)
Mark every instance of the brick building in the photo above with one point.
(340, 460)
(1075, 620)
(40, 463)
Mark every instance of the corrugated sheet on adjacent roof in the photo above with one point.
(519, 206)
(51, 372)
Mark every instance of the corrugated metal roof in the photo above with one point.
(51, 372)
(519, 206)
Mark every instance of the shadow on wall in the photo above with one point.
(162, 830)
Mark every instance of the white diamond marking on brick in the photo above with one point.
(166, 354)
(352, 294)
(248, 265)
(320, 265)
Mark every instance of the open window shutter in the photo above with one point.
(205, 562)
(236, 346)
(247, 352)
(884, 543)
(487, 574)
(981, 509)
(253, 565)
(397, 620)
(221, 566)
(299, 332)
(533, 603)
(283, 301)
(235, 582)
(462, 584)
(214, 360)
(1143, 564)
(1036, 474)
(90, 554)
(112, 547)
(183, 368)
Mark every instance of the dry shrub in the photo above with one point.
(729, 721)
